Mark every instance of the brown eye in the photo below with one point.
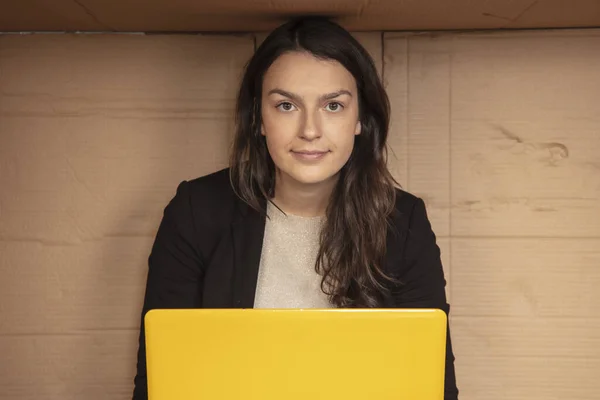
(286, 106)
(334, 107)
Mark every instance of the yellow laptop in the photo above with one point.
(293, 354)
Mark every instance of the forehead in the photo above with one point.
(301, 72)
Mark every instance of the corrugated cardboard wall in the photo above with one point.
(498, 132)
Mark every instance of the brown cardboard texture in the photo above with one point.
(262, 15)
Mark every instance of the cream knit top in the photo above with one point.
(287, 276)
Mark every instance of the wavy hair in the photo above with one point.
(353, 238)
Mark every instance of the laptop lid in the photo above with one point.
(288, 354)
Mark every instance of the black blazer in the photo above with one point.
(207, 251)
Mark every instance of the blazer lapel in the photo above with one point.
(248, 233)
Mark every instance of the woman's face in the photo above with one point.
(309, 117)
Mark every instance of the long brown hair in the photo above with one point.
(353, 239)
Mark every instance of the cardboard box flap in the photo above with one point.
(262, 15)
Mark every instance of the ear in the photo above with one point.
(262, 129)
(358, 128)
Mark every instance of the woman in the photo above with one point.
(307, 215)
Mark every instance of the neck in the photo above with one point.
(301, 199)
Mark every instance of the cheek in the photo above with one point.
(276, 146)
(274, 122)
(345, 147)
(342, 132)
(279, 132)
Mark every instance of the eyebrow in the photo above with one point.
(293, 96)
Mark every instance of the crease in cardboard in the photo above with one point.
(552, 152)
(510, 20)
(486, 14)
(89, 12)
(525, 10)
(362, 7)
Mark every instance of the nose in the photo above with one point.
(310, 128)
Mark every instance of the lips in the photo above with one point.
(309, 152)
(309, 155)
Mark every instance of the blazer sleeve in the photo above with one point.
(174, 272)
(423, 282)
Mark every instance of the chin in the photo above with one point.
(313, 177)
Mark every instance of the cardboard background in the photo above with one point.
(498, 132)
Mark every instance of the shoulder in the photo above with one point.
(413, 245)
(201, 210)
(212, 191)
(209, 200)
(410, 232)
(409, 210)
